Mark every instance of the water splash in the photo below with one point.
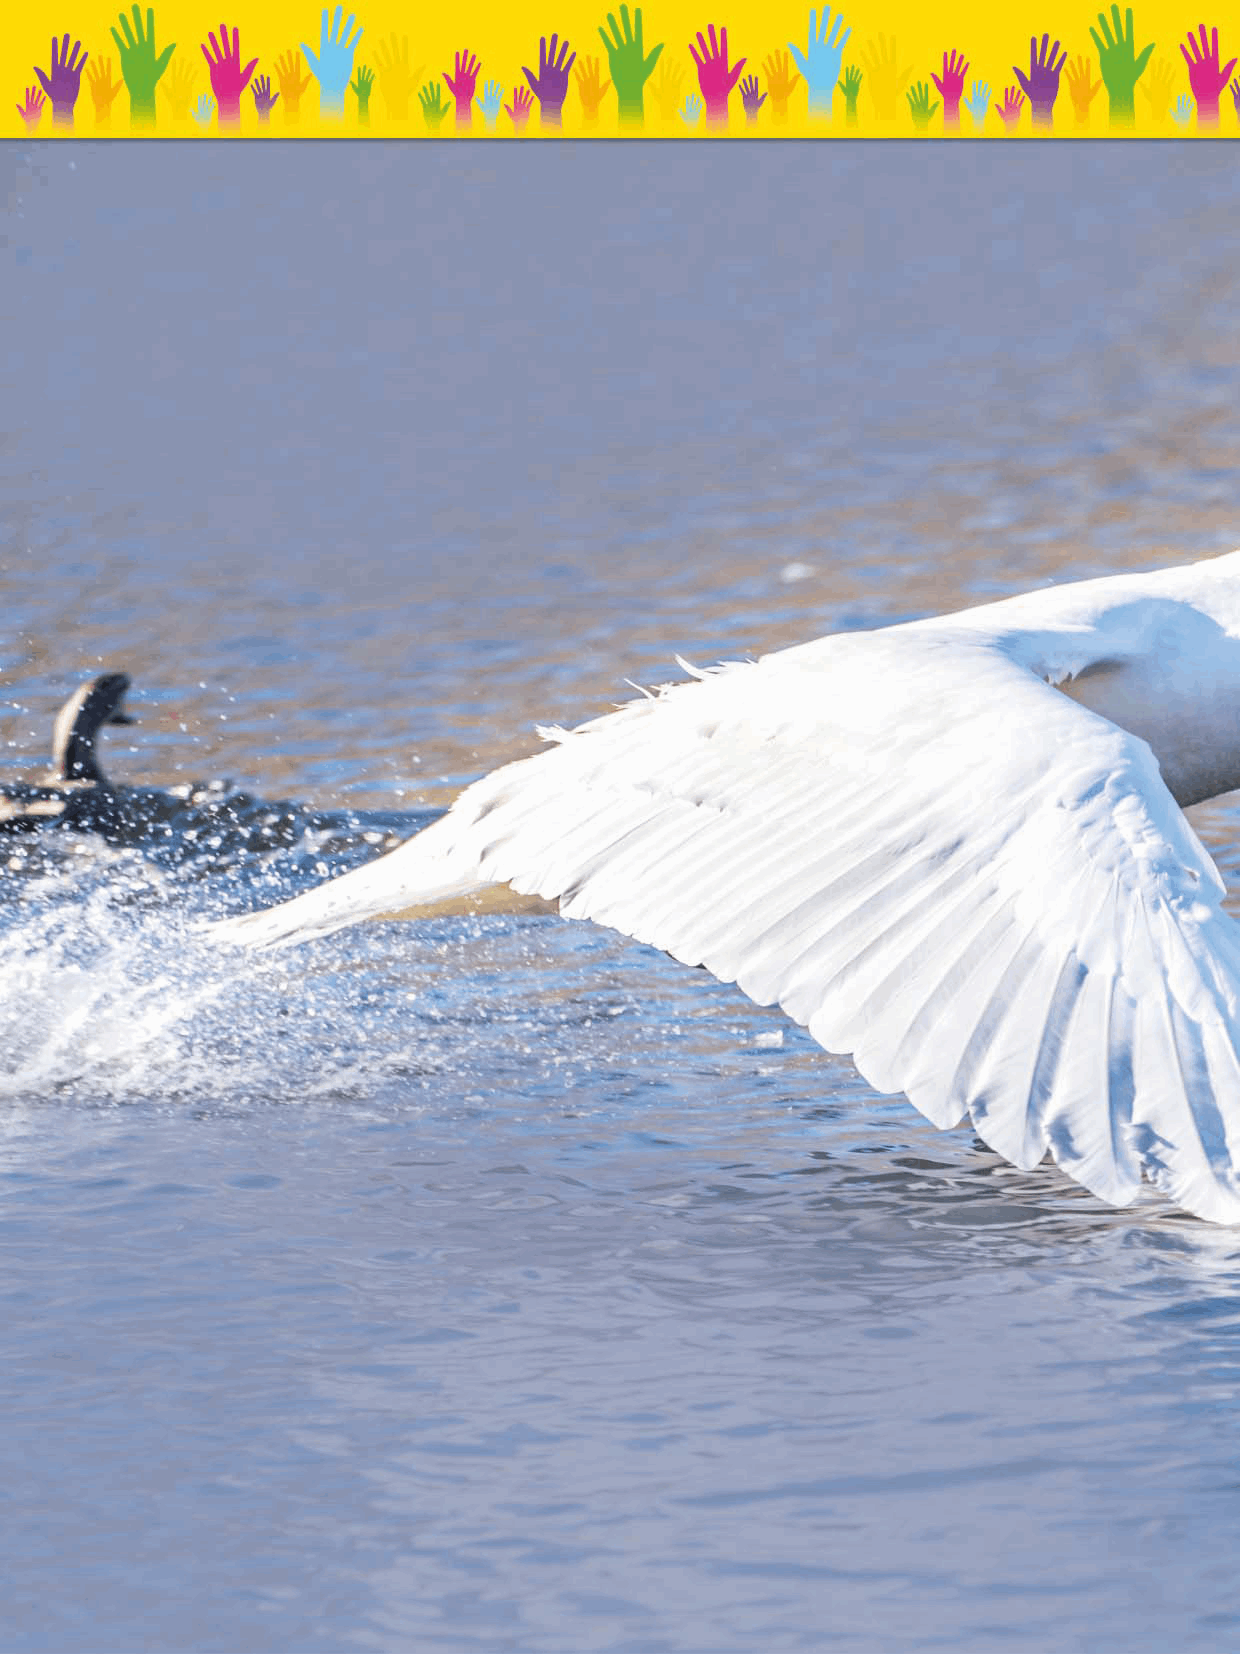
(112, 990)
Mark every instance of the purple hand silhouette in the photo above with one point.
(751, 100)
(951, 88)
(714, 77)
(1041, 84)
(265, 99)
(1205, 77)
(551, 85)
(461, 84)
(64, 81)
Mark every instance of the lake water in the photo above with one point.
(494, 1283)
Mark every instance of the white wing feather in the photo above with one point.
(927, 856)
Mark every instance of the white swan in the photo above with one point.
(953, 848)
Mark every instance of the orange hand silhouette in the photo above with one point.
(102, 89)
(591, 88)
(781, 81)
(288, 73)
(1080, 90)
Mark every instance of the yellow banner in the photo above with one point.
(277, 69)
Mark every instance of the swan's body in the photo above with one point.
(953, 848)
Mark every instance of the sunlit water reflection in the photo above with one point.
(494, 1282)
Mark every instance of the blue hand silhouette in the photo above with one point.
(821, 60)
(1182, 111)
(692, 111)
(491, 101)
(333, 68)
(204, 109)
(978, 104)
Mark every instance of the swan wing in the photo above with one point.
(925, 854)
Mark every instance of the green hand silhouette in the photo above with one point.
(140, 67)
(433, 106)
(362, 85)
(850, 86)
(920, 106)
(630, 67)
(1119, 64)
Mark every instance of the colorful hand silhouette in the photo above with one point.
(751, 101)
(228, 79)
(1182, 114)
(715, 78)
(461, 84)
(32, 109)
(362, 85)
(1204, 76)
(333, 67)
(978, 103)
(433, 106)
(288, 73)
(850, 86)
(178, 88)
(1156, 86)
(1082, 89)
(950, 85)
(103, 89)
(1120, 64)
(920, 107)
(591, 89)
(63, 81)
(519, 109)
(1235, 96)
(491, 102)
(781, 81)
(667, 88)
(203, 110)
(1041, 84)
(550, 85)
(887, 79)
(691, 114)
(265, 99)
(821, 60)
(1009, 110)
(631, 68)
(396, 79)
(140, 66)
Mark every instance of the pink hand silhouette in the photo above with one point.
(34, 108)
(228, 79)
(1009, 110)
(951, 88)
(714, 77)
(461, 85)
(1205, 77)
(519, 108)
